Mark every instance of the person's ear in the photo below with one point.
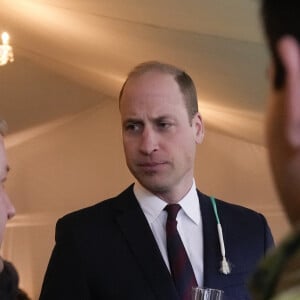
(289, 53)
(198, 128)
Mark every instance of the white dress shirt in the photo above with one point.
(189, 225)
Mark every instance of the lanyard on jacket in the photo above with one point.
(225, 267)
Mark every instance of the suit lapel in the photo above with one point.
(140, 239)
(212, 254)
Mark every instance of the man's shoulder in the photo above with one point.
(99, 211)
(229, 208)
(237, 208)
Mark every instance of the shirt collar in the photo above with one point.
(190, 204)
(152, 205)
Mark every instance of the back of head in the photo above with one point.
(184, 81)
(281, 20)
(280, 17)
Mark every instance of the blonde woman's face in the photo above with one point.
(7, 210)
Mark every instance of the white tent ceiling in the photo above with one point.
(71, 54)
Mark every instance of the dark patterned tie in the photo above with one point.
(180, 265)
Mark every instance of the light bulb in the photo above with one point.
(5, 38)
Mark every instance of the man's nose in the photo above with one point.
(149, 141)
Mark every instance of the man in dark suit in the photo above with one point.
(119, 248)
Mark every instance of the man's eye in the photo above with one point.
(164, 125)
(132, 127)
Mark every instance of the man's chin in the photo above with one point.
(154, 186)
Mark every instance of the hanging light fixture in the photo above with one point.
(6, 51)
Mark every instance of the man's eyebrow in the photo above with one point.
(132, 120)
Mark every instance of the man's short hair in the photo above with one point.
(3, 127)
(280, 17)
(184, 81)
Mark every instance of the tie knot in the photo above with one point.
(172, 210)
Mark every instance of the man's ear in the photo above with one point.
(198, 125)
(289, 52)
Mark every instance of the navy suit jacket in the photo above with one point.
(108, 251)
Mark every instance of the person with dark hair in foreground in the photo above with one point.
(160, 236)
(277, 277)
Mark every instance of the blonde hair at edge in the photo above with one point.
(3, 127)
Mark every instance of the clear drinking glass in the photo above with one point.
(199, 293)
